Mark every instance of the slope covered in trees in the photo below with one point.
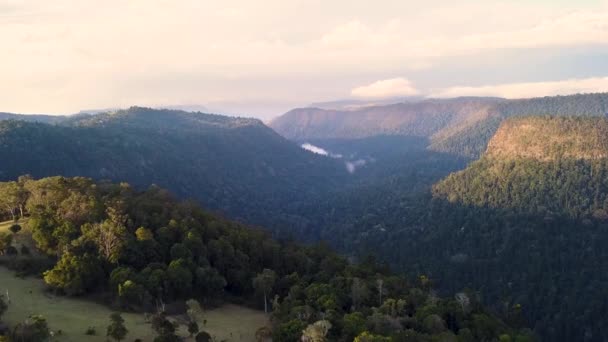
(460, 126)
(542, 165)
(145, 249)
(234, 165)
(524, 225)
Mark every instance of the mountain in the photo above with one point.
(461, 126)
(235, 165)
(423, 118)
(352, 104)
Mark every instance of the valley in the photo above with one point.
(536, 193)
(304, 171)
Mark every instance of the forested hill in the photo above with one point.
(526, 225)
(547, 138)
(234, 165)
(145, 248)
(539, 164)
(461, 126)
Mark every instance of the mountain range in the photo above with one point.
(506, 197)
(461, 126)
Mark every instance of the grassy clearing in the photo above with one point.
(72, 316)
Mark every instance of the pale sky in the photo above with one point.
(264, 57)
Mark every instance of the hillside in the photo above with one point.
(461, 126)
(524, 225)
(550, 138)
(423, 118)
(233, 165)
(144, 249)
(538, 164)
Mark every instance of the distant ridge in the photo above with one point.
(460, 126)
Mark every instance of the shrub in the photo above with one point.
(15, 228)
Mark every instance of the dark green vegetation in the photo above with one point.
(525, 225)
(232, 165)
(457, 126)
(146, 250)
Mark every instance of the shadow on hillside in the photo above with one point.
(554, 266)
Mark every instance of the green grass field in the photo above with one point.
(72, 316)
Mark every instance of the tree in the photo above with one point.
(263, 283)
(5, 241)
(368, 337)
(203, 336)
(316, 332)
(263, 334)
(3, 306)
(144, 234)
(111, 239)
(15, 228)
(11, 197)
(192, 328)
(116, 330)
(359, 292)
(289, 331)
(380, 286)
(131, 293)
(464, 301)
(75, 274)
(34, 329)
(164, 328)
(354, 324)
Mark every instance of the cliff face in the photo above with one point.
(548, 138)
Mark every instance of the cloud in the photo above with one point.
(315, 149)
(207, 51)
(529, 89)
(352, 166)
(386, 88)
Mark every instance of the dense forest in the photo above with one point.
(145, 249)
(522, 230)
(522, 226)
(235, 166)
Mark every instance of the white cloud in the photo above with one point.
(529, 89)
(352, 166)
(386, 88)
(315, 149)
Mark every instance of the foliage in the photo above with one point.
(233, 165)
(116, 330)
(15, 228)
(194, 254)
(33, 329)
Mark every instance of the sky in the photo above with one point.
(261, 58)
